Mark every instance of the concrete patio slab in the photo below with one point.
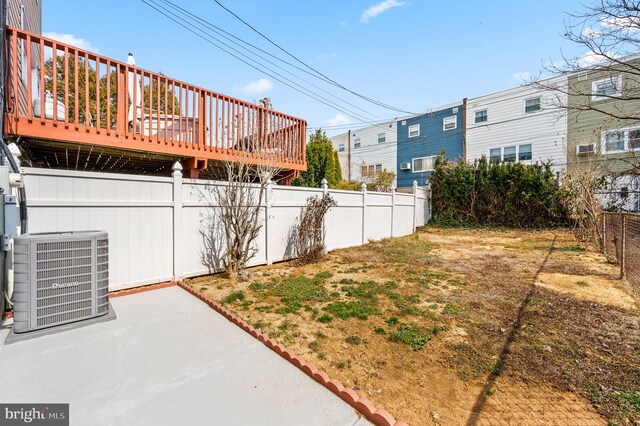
(167, 359)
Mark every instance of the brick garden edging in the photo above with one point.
(377, 416)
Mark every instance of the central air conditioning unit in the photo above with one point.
(405, 166)
(59, 278)
(586, 149)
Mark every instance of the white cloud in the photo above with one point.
(630, 23)
(590, 59)
(377, 9)
(256, 87)
(589, 32)
(338, 120)
(72, 40)
(522, 77)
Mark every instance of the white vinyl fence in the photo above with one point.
(162, 229)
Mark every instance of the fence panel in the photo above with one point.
(612, 235)
(632, 250)
(136, 211)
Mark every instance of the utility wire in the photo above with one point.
(240, 42)
(282, 79)
(335, 83)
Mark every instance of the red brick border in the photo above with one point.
(135, 290)
(377, 416)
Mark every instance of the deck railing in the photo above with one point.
(105, 102)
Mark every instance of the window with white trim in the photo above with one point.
(414, 131)
(370, 170)
(341, 147)
(495, 155)
(633, 139)
(423, 164)
(449, 123)
(621, 140)
(532, 105)
(524, 152)
(356, 143)
(382, 137)
(511, 153)
(606, 88)
(481, 116)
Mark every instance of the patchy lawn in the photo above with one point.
(454, 326)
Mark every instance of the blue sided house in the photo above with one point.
(422, 137)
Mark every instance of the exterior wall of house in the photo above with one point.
(372, 153)
(432, 138)
(25, 15)
(32, 21)
(594, 127)
(341, 145)
(510, 128)
(370, 149)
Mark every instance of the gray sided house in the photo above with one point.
(422, 137)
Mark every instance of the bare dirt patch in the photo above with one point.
(425, 326)
(590, 287)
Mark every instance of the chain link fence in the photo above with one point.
(621, 244)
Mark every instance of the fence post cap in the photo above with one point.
(324, 182)
(364, 187)
(393, 188)
(176, 166)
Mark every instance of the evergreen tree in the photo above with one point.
(322, 163)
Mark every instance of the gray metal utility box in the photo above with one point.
(59, 278)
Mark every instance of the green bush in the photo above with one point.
(234, 297)
(410, 335)
(497, 194)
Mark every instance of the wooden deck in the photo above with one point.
(63, 99)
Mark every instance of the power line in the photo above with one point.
(282, 79)
(335, 83)
(232, 38)
(190, 26)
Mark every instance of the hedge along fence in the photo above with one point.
(497, 194)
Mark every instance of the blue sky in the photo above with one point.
(413, 55)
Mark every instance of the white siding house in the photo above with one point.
(341, 144)
(519, 124)
(372, 149)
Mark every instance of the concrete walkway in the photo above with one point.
(168, 359)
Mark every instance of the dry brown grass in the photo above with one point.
(499, 346)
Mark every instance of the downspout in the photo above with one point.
(349, 155)
(464, 130)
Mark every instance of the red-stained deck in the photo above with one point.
(108, 104)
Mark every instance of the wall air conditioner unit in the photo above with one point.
(59, 278)
(405, 166)
(586, 149)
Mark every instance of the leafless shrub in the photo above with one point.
(310, 233)
(240, 196)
